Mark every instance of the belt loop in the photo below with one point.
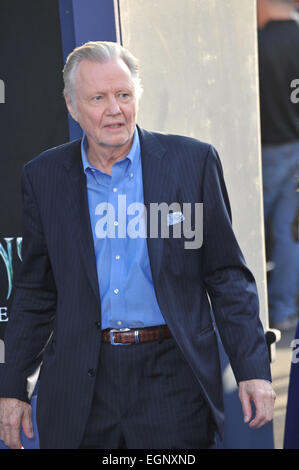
(136, 336)
(160, 334)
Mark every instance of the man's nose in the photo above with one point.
(113, 106)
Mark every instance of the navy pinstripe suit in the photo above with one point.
(57, 288)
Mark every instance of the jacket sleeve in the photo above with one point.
(230, 284)
(34, 304)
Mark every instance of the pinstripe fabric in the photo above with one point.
(57, 287)
(147, 397)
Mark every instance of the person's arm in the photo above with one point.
(30, 321)
(233, 294)
(295, 226)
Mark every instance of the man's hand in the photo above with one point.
(263, 397)
(13, 414)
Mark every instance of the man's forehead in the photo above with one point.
(109, 70)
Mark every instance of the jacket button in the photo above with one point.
(98, 324)
(91, 373)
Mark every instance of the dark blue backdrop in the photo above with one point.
(42, 25)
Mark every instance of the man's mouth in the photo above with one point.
(114, 126)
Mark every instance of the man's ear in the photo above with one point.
(70, 108)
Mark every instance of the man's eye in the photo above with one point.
(124, 95)
(97, 98)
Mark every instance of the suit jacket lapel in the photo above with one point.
(76, 192)
(156, 189)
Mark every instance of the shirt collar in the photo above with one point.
(132, 155)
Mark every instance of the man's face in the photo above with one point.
(106, 105)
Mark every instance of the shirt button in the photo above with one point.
(117, 257)
(114, 190)
(131, 175)
(119, 322)
(116, 291)
(115, 223)
(91, 373)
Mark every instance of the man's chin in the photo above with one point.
(116, 143)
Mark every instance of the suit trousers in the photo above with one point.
(147, 397)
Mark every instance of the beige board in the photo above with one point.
(199, 67)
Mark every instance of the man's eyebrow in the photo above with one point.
(116, 90)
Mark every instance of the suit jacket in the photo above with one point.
(56, 312)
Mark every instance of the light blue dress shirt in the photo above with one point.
(127, 293)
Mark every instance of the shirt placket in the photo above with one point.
(117, 198)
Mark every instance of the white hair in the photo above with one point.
(101, 52)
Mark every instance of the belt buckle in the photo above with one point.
(115, 330)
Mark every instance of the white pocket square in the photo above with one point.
(175, 218)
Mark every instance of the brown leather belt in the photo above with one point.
(134, 336)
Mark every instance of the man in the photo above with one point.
(122, 324)
(279, 72)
